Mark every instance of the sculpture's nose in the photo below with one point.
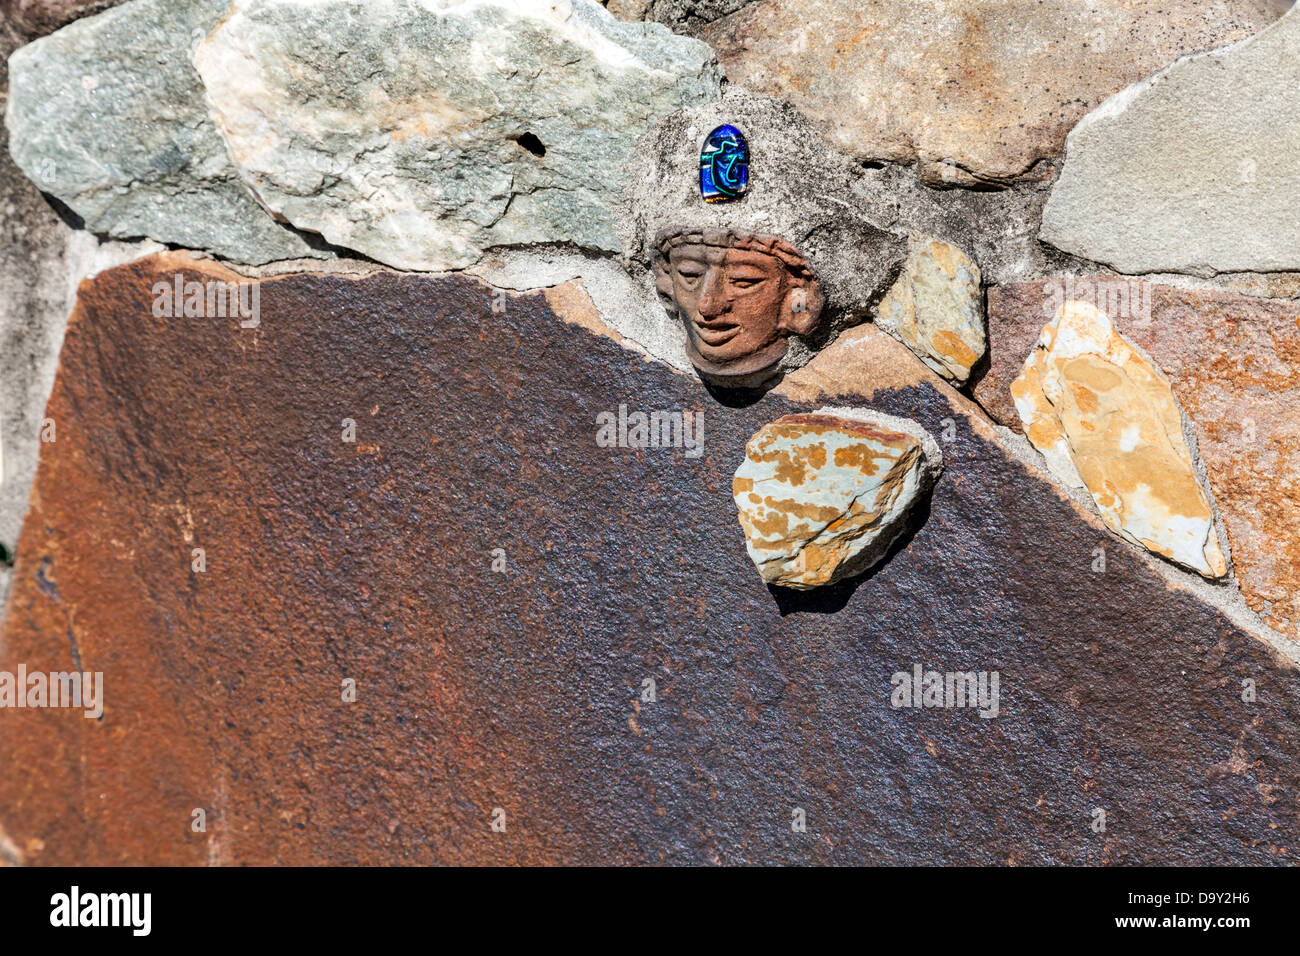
(714, 300)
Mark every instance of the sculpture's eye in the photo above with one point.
(746, 282)
(690, 273)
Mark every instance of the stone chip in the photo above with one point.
(107, 114)
(1192, 170)
(1103, 415)
(822, 496)
(1233, 362)
(935, 308)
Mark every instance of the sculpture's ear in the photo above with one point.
(664, 283)
(803, 305)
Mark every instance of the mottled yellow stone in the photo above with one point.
(935, 308)
(1104, 417)
(822, 496)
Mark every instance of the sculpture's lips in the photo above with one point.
(717, 332)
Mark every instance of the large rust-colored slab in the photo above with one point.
(476, 690)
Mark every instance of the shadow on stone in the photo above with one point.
(833, 597)
(740, 397)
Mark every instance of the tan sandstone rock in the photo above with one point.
(1104, 416)
(822, 496)
(1233, 361)
(972, 90)
(935, 308)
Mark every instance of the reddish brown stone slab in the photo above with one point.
(476, 430)
(1234, 364)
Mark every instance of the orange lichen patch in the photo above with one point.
(946, 257)
(827, 424)
(794, 465)
(1040, 421)
(1044, 432)
(798, 509)
(1102, 413)
(950, 345)
(862, 457)
(1084, 397)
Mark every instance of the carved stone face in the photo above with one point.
(739, 298)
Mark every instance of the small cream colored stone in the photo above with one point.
(1104, 417)
(935, 308)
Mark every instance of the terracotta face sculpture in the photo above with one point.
(740, 296)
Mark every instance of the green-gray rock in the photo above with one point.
(421, 134)
(108, 115)
(1192, 170)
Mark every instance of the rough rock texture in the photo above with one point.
(41, 263)
(627, 9)
(1193, 169)
(680, 16)
(800, 191)
(125, 139)
(973, 90)
(1234, 365)
(1104, 415)
(421, 136)
(30, 234)
(38, 17)
(521, 690)
(823, 495)
(936, 308)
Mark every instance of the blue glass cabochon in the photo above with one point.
(724, 165)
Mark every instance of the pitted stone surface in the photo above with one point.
(936, 308)
(42, 261)
(1105, 417)
(1192, 170)
(423, 134)
(107, 114)
(822, 496)
(971, 90)
(520, 689)
(38, 17)
(680, 16)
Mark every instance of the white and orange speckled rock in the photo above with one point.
(822, 496)
(1104, 417)
(935, 308)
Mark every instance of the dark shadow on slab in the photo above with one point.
(833, 597)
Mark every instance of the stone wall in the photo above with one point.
(432, 475)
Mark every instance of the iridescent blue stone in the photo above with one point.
(724, 165)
